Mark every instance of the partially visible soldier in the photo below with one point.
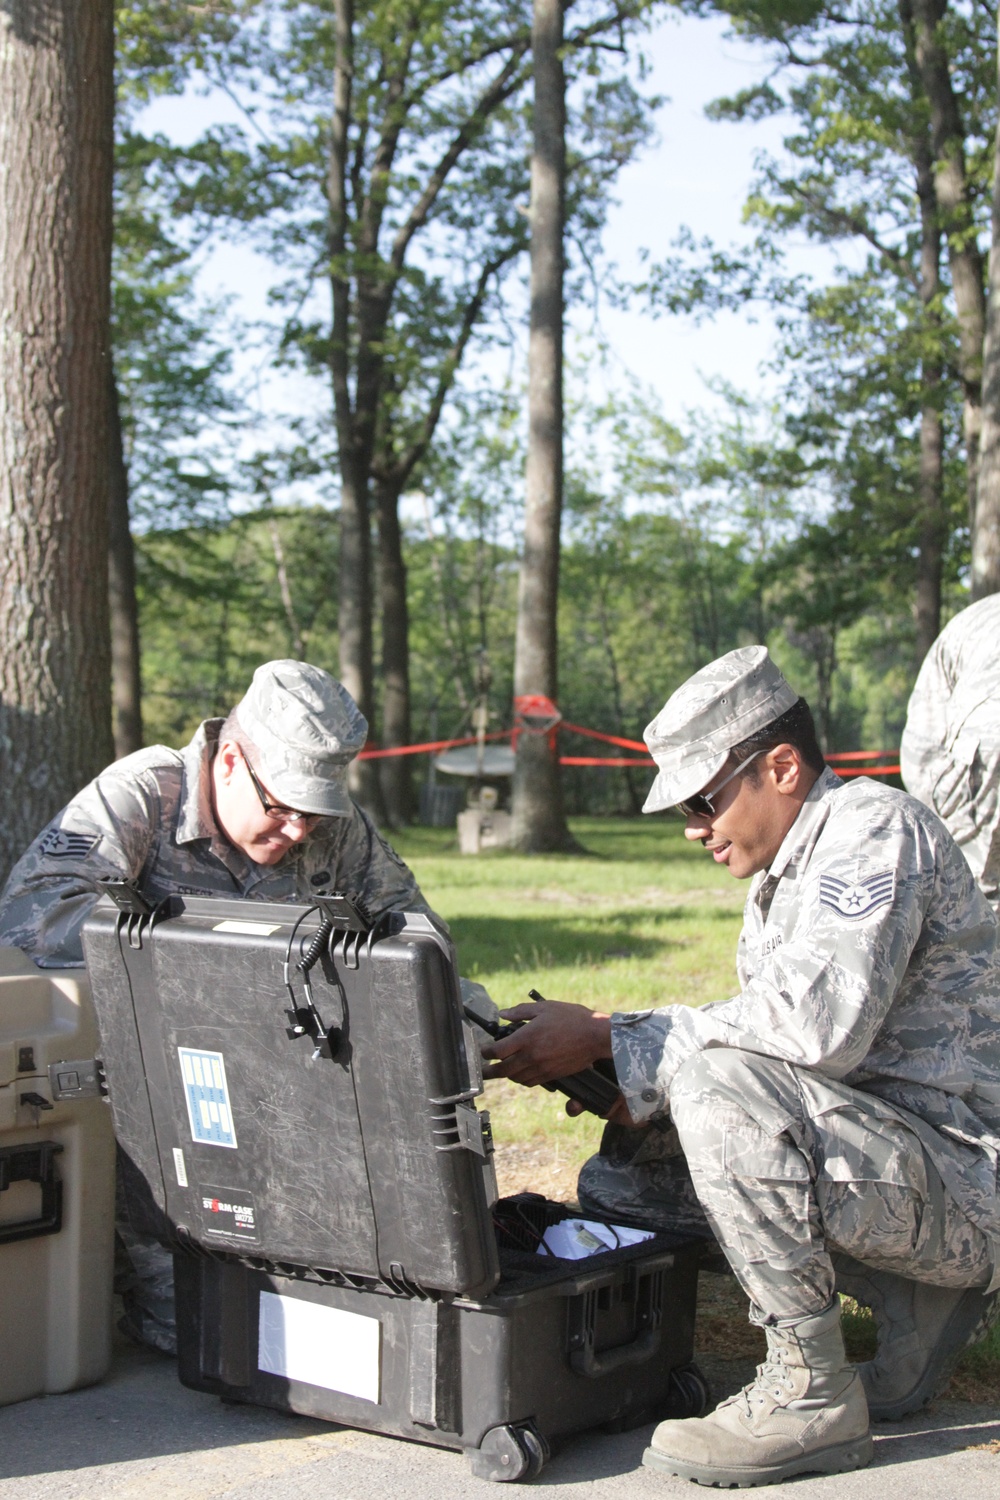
(836, 1123)
(256, 805)
(950, 752)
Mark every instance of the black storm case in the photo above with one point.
(293, 1093)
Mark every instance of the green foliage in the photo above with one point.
(793, 524)
(211, 610)
(171, 364)
(169, 367)
(865, 354)
(438, 147)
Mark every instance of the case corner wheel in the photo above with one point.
(689, 1392)
(509, 1453)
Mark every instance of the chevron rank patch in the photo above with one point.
(58, 844)
(860, 898)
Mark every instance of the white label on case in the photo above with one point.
(324, 1346)
(249, 929)
(180, 1168)
(206, 1093)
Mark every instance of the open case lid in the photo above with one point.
(372, 1163)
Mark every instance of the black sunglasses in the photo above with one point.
(275, 809)
(701, 805)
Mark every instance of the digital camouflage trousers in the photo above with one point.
(784, 1167)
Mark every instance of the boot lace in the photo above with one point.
(774, 1382)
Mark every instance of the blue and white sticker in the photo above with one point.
(207, 1095)
(857, 898)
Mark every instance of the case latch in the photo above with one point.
(468, 1127)
(79, 1079)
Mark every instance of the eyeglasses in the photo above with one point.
(701, 805)
(275, 809)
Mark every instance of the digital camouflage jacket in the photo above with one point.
(869, 955)
(950, 752)
(149, 818)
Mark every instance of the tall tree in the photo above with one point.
(932, 522)
(880, 156)
(986, 536)
(126, 669)
(56, 123)
(382, 165)
(167, 391)
(539, 819)
(955, 195)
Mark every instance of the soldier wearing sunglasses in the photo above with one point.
(836, 1124)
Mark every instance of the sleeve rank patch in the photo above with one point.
(860, 898)
(58, 844)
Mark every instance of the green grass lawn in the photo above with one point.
(642, 919)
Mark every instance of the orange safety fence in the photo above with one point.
(609, 739)
(432, 745)
(607, 760)
(866, 771)
(834, 758)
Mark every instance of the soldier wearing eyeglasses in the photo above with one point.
(836, 1124)
(256, 805)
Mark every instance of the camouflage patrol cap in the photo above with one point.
(714, 710)
(307, 727)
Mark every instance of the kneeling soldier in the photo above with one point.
(834, 1125)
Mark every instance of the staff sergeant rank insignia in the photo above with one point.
(59, 844)
(859, 899)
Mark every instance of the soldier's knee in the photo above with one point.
(725, 1084)
(605, 1187)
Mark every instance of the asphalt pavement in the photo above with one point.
(140, 1435)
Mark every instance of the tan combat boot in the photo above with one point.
(804, 1414)
(921, 1332)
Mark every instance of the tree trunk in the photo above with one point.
(635, 801)
(296, 636)
(56, 124)
(539, 820)
(932, 527)
(395, 770)
(986, 532)
(126, 679)
(354, 612)
(957, 222)
(930, 553)
(354, 624)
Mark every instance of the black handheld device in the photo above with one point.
(596, 1088)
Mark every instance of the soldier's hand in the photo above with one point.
(559, 1039)
(617, 1115)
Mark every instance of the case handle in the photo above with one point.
(32, 1163)
(586, 1362)
(595, 1280)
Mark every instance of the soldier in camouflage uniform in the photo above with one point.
(950, 752)
(838, 1121)
(256, 805)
